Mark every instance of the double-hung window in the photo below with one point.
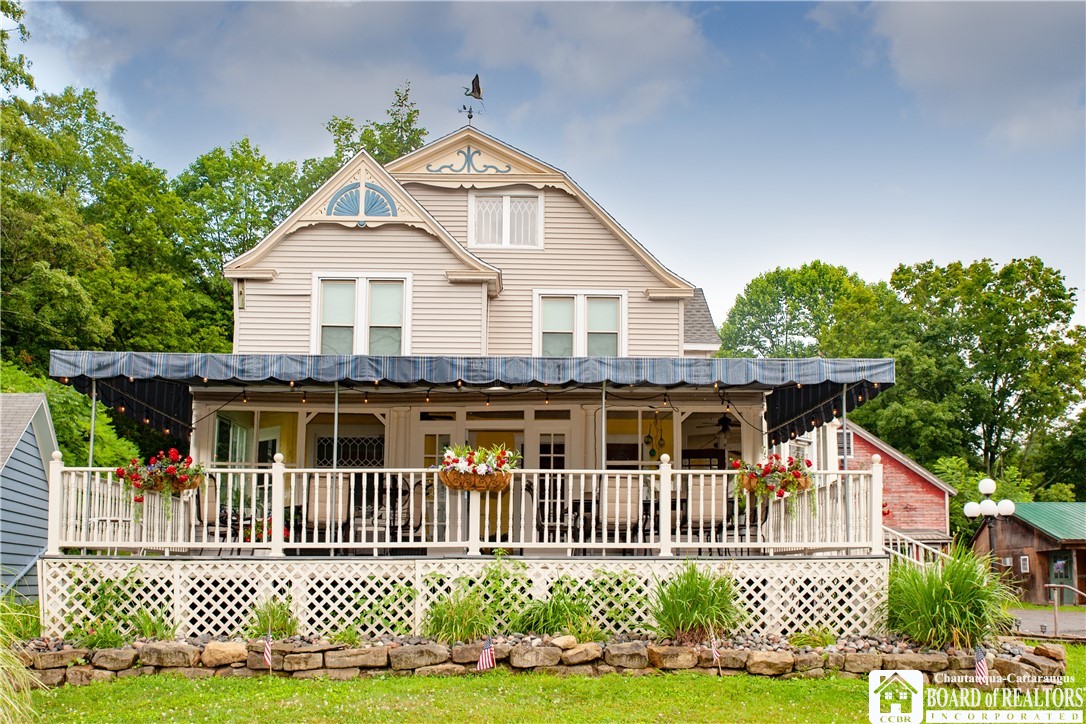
(579, 324)
(512, 220)
(361, 315)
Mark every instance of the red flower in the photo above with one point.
(171, 469)
(791, 459)
(809, 463)
(737, 464)
(174, 455)
(183, 478)
(138, 498)
(188, 460)
(153, 460)
(780, 493)
(135, 461)
(137, 484)
(120, 473)
(135, 478)
(770, 486)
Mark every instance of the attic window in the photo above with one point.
(513, 220)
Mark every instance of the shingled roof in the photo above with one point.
(698, 323)
(18, 411)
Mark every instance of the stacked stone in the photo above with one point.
(561, 655)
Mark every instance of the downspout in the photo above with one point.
(94, 410)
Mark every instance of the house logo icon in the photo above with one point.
(896, 697)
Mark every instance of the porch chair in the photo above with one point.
(328, 501)
(707, 509)
(621, 500)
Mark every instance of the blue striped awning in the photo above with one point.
(799, 386)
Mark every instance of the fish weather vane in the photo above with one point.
(476, 92)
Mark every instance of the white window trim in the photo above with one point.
(361, 302)
(506, 195)
(580, 309)
(1023, 564)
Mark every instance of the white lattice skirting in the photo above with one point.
(392, 595)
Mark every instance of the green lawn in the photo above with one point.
(1048, 607)
(497, 696)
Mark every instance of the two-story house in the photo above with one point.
(471, 293)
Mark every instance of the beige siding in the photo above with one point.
(448, 206)
(579, 253)
(445, 318)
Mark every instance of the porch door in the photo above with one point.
(1061, 571)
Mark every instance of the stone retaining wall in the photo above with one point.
(562, 655)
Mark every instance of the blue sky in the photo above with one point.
(729, 138)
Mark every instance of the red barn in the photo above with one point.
(916, 502)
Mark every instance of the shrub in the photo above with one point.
(462, 615)
(814, 637)
(15, 680)
(158, 625)
(564, 612)
(24, 623)
(960, 601)
(273, 615)
(693, 603)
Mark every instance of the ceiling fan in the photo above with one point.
(723, 425)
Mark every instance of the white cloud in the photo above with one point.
(600, 68)
(1015, 69)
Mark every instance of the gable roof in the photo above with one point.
(902, 458)
(362, 194)
(468, 157)
(698, 326)
(20, 411)
(895, 679)
(1059, 521)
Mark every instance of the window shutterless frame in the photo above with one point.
(590, 334)
(502, 219)
(370, 325)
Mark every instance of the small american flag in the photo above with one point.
(980, 674)
(486, 656)
(267, 651)
(715, 650)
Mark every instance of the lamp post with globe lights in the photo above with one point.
(991, 510)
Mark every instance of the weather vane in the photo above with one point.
(476, 92)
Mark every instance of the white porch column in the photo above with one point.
(56, 503)
(665, 504)
(752, 441)
(876, 505)
(277, 502)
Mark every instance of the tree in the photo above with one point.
(957, 472)
(70, 412)
(239, 197)
(14, 69)
(1061, 457)
(785, 312)
(989, 354)
(387, 141)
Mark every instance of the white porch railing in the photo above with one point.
(662, 512)
(909, 550)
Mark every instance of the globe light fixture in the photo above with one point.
(991, 510)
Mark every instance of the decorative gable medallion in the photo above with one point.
(360, 199)
(468, 164)
(345, 202)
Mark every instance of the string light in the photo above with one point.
(366, 398)
(547, 399)
(64, 380)
(166, 430)
(292, 383)
(303, 397)
(459, 384)
(205, 380)
(488, 400)
(799, 385)
(245, 396)
(428, 395)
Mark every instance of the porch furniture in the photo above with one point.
(706, 509)
(327, 505)
(622, 507)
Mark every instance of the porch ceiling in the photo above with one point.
(154, 387)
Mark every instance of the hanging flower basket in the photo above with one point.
(488, 483)
(484, 469)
